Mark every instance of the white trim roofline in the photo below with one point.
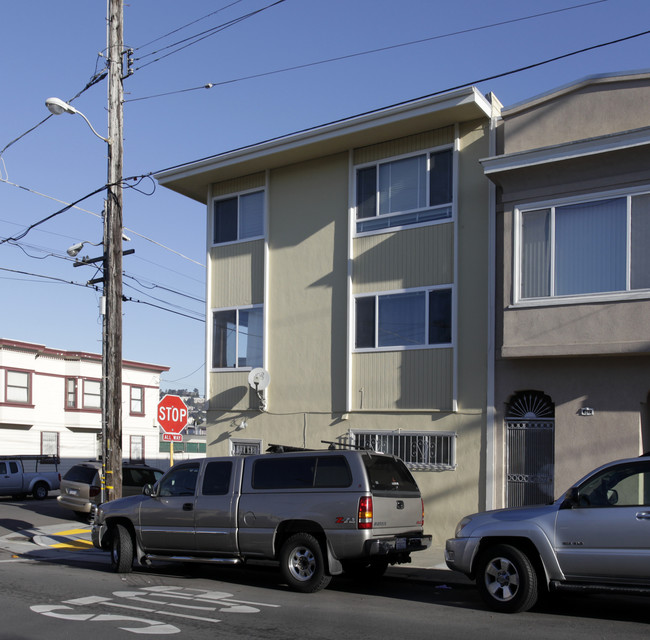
(440, 110)
(566, 151)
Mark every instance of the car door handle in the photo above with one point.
(643, 515)
(188, 506)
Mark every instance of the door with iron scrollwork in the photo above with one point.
(530, 449)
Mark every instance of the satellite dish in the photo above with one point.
(259, 378)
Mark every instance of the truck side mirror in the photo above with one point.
(149, 490)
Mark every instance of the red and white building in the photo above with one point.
(50, 403)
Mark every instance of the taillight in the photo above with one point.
(422, 521)
(94, 491)
(365, 512)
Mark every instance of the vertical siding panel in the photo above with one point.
(237, 274)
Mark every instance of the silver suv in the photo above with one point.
(596, 537)
(81, 485)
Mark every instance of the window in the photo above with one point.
(137, 400)
(237, 338)
(301, 472)
(415, 318)
(420, 451)
(181, 481)
(71, 393)
(240, 217)
(412, 190)
(216, 478)
(92, 394)
(626, 485)
(598, 246)
(18, 387)
(136, 449)
(245, 447)
(49, 443)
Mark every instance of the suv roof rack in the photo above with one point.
(284, 448)
(345, 445)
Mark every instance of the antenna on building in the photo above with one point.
(259, 379)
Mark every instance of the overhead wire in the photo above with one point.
(210, 85)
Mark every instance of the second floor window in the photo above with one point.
(412, 190)
(237, 338)
(137, 400)
(240, 217)
(416, 318)
(584, 248)
(71, 393)
(92, 394)
(19, 387)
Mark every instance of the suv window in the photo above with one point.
(135, 477)
(388, 474)
(80, 473)
(305, 472)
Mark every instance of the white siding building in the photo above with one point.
(50, 403)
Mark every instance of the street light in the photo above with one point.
(57, 107)
(111, 260)
(74, 250)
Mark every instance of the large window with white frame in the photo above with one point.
(237, 337)
(238, 217)
(404, 191)
(583, 248)
(420, 450)
(136, 401)
(415, 318)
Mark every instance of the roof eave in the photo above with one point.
(192, 179)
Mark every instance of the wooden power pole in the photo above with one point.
(112, 334)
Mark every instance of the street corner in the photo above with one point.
(64, 537)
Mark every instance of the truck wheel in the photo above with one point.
(302, 564)
(506, 579)
(40, 491)
(121, 550)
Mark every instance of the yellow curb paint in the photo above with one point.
(71, 532)
(77, 544)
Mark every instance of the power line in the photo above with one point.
(189, 24)
(307, 65)
(188, 42)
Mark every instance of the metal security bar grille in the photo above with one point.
(419, 451)
(245, 448)
(530, 451)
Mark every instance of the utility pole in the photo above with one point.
(112, 333)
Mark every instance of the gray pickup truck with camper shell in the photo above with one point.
(318, 513)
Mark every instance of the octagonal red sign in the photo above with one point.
(172, 414)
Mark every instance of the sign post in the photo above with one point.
(172, 417)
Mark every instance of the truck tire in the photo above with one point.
(121, 550)
(40, 491)
(506, 579)
(302, 564)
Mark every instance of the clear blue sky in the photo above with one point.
(51, 49)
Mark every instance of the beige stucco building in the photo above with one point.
(572, 369)
(351, 263)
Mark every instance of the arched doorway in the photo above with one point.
(530, 449)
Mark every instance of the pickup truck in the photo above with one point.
(318, 513)
(594, 538)
(16, 482)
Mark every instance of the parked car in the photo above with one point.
(595, 538)
(319, 513)
(81, 485)
(18, 482)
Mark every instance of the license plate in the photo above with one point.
(401, 543)
(73, 492)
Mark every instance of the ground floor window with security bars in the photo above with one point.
(420, 450)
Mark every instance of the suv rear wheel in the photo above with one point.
(506, 579)
(302, 564)
(121, 550)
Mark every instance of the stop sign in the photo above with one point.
(172, 414)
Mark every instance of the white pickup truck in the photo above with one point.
(17, 482)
